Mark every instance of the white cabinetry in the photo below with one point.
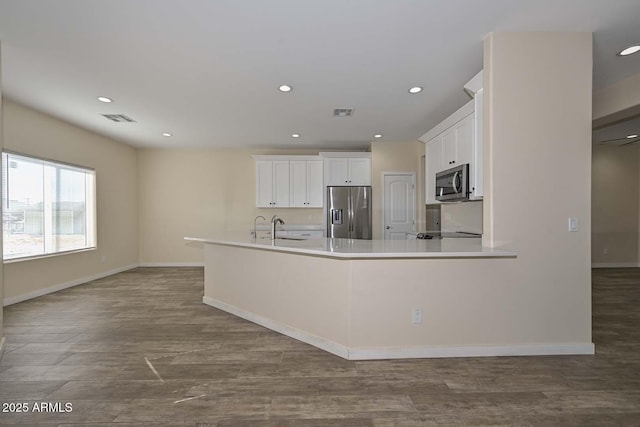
(306, 183)
(289, 181)
(433, 158)
(455, 141)
(360, 171)
(450, 148)
(302, 234)
(348, 169)
(272, 183)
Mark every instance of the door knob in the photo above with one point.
(387, 227)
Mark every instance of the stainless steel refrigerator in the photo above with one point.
(349, 212)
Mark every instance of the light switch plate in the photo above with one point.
(573, 224)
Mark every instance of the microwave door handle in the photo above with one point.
(455, 183)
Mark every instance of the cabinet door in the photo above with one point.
(281, 190)
(433, 159)
(359, 171)
(475, 175)
(449, 148)
(298, 178)
(464, 140)
(310, 234)
(337, 171)
(264, 183)
(315, 187)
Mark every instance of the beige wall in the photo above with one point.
(33, 133)
(615, 228)
(362, 308)
(394, 157)
(304, 292)
(197, 192)
(538, 89)
(615, 205)
(218, 187)
(1, 243)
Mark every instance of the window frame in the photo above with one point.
(91, 222)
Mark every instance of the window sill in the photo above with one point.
(56, 254)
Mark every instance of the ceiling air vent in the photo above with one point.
(119, 118)
(342, 112)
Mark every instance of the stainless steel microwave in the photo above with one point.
(453, 184)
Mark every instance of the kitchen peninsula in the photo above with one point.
(376, 299)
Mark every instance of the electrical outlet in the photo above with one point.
(416, 315)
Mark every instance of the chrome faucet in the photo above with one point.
(255, 234)
(274, 221)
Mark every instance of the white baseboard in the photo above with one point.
(399, 352)
(171, 264)
(55, 288)
(615, 265)
(306, 337)
(471, 351)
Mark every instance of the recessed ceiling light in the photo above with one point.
(167, 134)
(630, 50)
(415, 89)
(632, 136)
(378, 135)
(295, 135)
(284, 88)
(105, 99)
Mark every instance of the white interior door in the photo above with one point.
(399, 210)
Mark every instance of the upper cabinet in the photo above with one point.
(347, 169)
(455, 141)
(306, 183)
(300, 181)
(433, 159)
(272, 184)
(289, 181)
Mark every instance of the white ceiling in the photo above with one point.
(208, 71)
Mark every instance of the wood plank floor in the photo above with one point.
(140, 349)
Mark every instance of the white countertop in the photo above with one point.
(363, 249)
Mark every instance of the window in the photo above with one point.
(47, 207)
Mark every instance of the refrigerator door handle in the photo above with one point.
(350, 213)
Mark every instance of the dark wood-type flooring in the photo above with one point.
(139, 348)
